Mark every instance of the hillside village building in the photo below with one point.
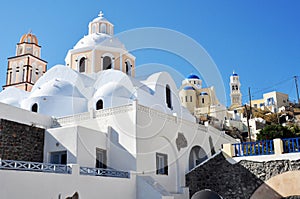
(98, 131)
(271, 101)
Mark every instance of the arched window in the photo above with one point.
(94, 28)
(128, 67)
(34, 108)
(107, 63)
(168, 97)
(82, 65)
(197, 155)
(103, 28)
(99, 105)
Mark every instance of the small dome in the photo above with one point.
(234, 74)
(188, 88)
(192, 76)
(29, 38)
(203, 93)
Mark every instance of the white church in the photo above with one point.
(107, 134)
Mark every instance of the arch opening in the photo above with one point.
(197, 156)
(82, 65)
(128, 67)
(107, 63)
(34, 108)
(168, 97)
(99, 104)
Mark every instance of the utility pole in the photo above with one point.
(297, 89)
(249, 93)
(247, 115)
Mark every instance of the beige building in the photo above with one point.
(271, 101)
(201, 102)
(26, 67)
(100, 50)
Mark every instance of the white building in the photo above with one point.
(272, 101)
(100, 121)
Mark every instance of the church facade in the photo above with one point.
(115, 136)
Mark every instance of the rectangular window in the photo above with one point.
(30, 76)
(261, 104)
(202, 100)
(191, 98)
(24, 75)
(255, 105)
(161, 164)
(59, 157)
(10, 78)
(101, 159)
(186, 98)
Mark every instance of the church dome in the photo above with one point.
(203, 93)
(234, 74)
(57, 87)
(188, 88)
(192, 76)
(29, 38)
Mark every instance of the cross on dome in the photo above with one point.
(101, 14)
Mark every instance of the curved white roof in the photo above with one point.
(13, 96)
(62, 91)
(99, 39)
(57, 87)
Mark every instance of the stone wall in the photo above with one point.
(21, 142)
(238, 180)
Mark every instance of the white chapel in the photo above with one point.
(118, 137)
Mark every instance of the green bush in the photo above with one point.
(277, 131)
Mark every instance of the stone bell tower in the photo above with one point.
(26, 67)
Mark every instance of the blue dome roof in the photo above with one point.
(188, 88)
(234, 74)
(192, 76)
(203, 93)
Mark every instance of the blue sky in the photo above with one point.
(258, 39)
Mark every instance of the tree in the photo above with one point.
(276, 131)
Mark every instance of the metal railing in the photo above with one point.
(35, 166)
(265, 147)
(104, 172)
(291, 145)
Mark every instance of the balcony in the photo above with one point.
(60, 169)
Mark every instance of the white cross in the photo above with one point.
(101, 14)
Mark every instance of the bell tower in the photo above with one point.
(235, 90)
(26, 67)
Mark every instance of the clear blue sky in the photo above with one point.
(258, 39)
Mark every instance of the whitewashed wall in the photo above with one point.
(24, 184)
